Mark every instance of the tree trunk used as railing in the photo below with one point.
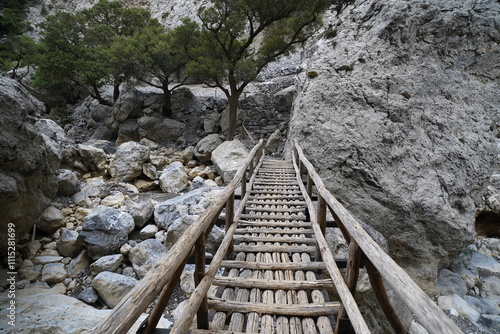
(126, 313)
(428, 314)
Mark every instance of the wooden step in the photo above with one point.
(273, 217)
(274, 224)
(295, 310)
(271, 202)
(305, 266)
(267, 230)
(296, 240)
(251, 283)
(276, 192)
(260, 209)
(274, 248)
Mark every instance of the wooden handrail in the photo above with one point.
(126, 313)
(429, 315)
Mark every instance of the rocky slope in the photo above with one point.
(399, 111)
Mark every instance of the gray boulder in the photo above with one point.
(174, 179)
(142, 212)
(127, 164)
(88, 295)
(51, 220)
(177, 228)
(228, 157)
(105, 230)
(106, 263)
(450, 283)
(129, 104)
(113, 287)
(54, 273)
(145, 255)
(203, 150)
(67, 244)
(68, 182)
(93, 158)
(165, 213)
(274, 141)
(283, 99)
(160, 130)
(368, 123)
(27, 180)
(81, 199)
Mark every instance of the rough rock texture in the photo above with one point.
(68, 182)
(27, 182)
(203, 150)
(105, 230)
(128, 161)
(174, 179)
(228, 157)
(160, 130)
(113, 287)
(145, 255)
(48, 308)
(402, 120)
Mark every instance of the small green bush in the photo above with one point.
(312, 74)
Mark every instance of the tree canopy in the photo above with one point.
(238, 38)
(78, 48)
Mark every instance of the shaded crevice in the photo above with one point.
(487, 224)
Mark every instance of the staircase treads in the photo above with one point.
(307, 266)
(298, 240)
(273, 217)
(296, 310)
(251, 283)
(265, 229)
(274, 248)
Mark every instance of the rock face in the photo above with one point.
(228, 157)
(27, 181)
(401, 120)
(105, 230)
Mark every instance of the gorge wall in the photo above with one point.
(398, 109)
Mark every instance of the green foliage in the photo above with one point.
(81, 49)
(312, 74)
(17, 51)
(238, 38)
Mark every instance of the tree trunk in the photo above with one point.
(99, 98)
(116, 91)
(167, 103)
(233, 115)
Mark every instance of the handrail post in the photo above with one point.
(309, 185)
(382, 297)
(351, 279)
(199, 273)
(150, 323)
(229, 217)
(244, 184)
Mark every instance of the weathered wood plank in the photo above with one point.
(279, 230)
(273, 248)
(272, 285)
(274, 224)
(273, 217)
(309, 241)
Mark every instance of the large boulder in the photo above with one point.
(105, 230)
(401, 121)
(160, 130)
(47, 312)
(27, 181)
(113, 287)
(127, 164)
(228, 157)
(94, 158)
(68, 182)
(203, 150)
(129, 104)
(145, 255)
(50, 220)
(166, 212)
(283, 99)
(174, 179)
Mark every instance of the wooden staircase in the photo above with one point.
(274, 270)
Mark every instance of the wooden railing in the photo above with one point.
(163, 277)
(381, 269)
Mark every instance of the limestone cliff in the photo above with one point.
(402, 120)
